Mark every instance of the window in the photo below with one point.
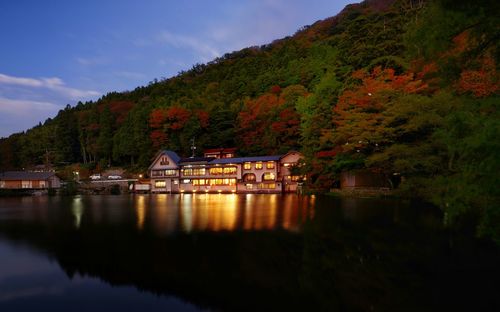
(170, 172)
(268, 176)
(270, 165)
(249, 177)
(198, 182)
(157, 173)
(222, 181)
(160, 183)
(247, 166)
(164, 161)
(258, 165)
(194, 171)
(249, 186)
(222, 170)
(42, 184)
(266, 186)
(229, 170)
(186, 181)
(26, 184)
(2, 184)
(295, 178)
(216, 170)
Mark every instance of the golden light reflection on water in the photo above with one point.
(140, 210)
(222, 212)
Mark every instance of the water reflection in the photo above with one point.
(238, 253)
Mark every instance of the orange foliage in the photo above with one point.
(480, 82)
(358, 114)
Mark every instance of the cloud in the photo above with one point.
(23, 107)
(18, 115)
(54, 84)
(206, 51)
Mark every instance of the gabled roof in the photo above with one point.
(171, 154)
(238, 160)
(25, 175)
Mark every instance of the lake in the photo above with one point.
(204, 252)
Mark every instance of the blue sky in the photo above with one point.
(55, 53)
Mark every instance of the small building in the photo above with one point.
(220, 152)
(29, 180)
(363, 179)
(259, 174)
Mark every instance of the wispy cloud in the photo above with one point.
(54, 84)
(206, 51)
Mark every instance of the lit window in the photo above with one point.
(42, 184)
(258, 165)
(249, 177)
(268, 176)
(249, 186)
(228, 156)
(2, 184)
(170, 172)
(26, 184)
(270, 165)
(186, 181)
(160, 183)
(247, 166)
(266, 186)
(216, 170)
(295, 178)
(229, 170)
(194, 171)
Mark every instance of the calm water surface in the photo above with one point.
(238, 253)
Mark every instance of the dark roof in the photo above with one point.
(238, 160)
(25, 175)
(173, 155)
(196, 160)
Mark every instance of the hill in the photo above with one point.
(408, 88)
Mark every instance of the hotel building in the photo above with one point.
(219, 172)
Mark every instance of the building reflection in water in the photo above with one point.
(222, 212)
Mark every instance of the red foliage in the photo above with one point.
(480, 82)
(157, 118)
(120, 109)
(158, 138)
(178, 117)
(275, 89)
(203, 117)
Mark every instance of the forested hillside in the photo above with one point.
(402, 87)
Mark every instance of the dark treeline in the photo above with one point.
(405, 87)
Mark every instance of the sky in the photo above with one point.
(59, 52)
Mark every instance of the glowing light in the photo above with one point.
(140, 210)
(77, 210)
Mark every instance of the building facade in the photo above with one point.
(262, 174)
(29, 180)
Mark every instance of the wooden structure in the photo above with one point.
(29, 180)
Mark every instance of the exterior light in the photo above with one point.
(140, 176)
(220, 191)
